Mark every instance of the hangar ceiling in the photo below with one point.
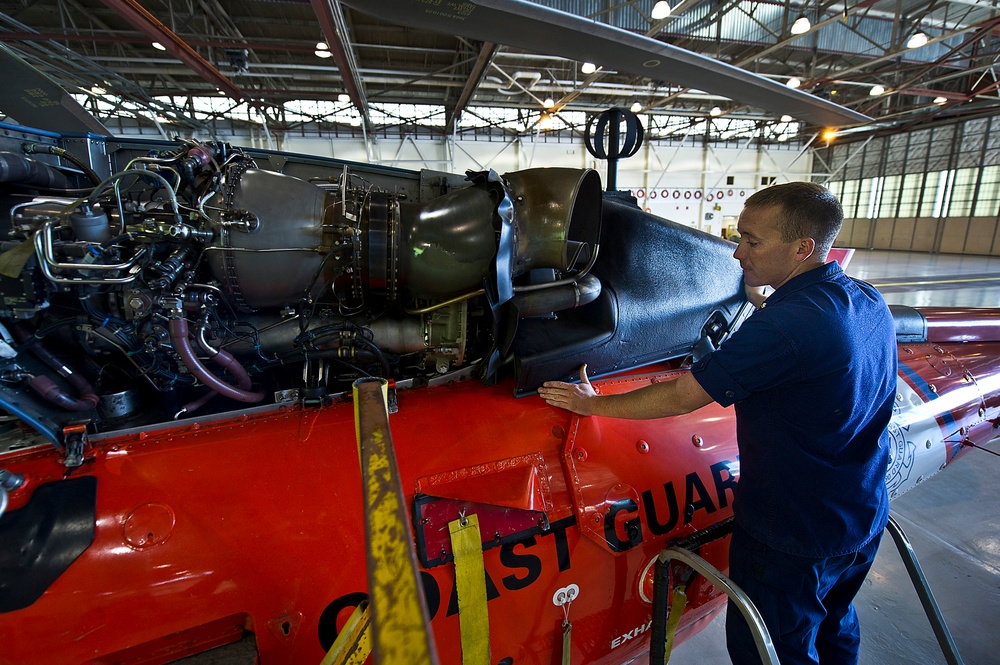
(256, 61)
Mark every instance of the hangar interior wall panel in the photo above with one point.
(883, 234)
(953, 238)
(862, 231)
(902, 233)
(981, 234)
(844, 237)
(924, 231)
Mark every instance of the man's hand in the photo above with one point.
(575, 397)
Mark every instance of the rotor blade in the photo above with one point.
(542, 30)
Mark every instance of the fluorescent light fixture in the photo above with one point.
(159, 47)
(787, 118)
(343, 97)
(549, 102)
(801, 26)
(917, 40)
(794, 82)
(783, 137)
(322, 54)
(715, 112)
(660, 10)
(588, 68)
(636, 107)
(940, 100)
(877, 90)
(322, 46)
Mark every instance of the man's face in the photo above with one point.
(766, 259)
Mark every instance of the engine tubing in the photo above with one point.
(45, 387)
(179, 336)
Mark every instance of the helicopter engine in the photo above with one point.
(194, 267)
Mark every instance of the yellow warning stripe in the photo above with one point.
(470, 583)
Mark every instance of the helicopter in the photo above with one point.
(181, 338)
(185, 325)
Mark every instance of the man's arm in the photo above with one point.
(658, 400)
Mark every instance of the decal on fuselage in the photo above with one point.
(916, 448)
(623, 529)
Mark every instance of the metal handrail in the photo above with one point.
(923, 590)
(765, 647)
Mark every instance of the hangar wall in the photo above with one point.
(932, 190)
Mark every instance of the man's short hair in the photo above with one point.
(809, 210)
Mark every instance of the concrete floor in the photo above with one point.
(952, 520)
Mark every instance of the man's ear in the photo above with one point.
(805, 249)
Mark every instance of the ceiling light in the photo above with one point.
(159, 47)
(660, 10)
(783, 137)
(322, 46)
(829, 135)
(801, 26)
(715, 112)
(343, 97)
(917, 40)
(545, 121)
(588, 68)
(98, 90)
(322, 54)
(355, 122)
(877, 90)
(549, 102)
(636, 107)
(786, 118)
(793, 82)
(940, 100)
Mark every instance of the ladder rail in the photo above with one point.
(765, 647)
(923, 589)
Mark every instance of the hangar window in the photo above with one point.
(874, 197)
(890, 196)
(988, 201)
(863, 207)
(850, 199)
(909, 196)
(962, 193)
(942, 193)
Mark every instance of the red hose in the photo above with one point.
(179, 336)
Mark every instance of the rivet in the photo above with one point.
(928, 444)
(697, 441)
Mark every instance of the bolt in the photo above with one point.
(697, 441)
(642, 446)
(581, 455)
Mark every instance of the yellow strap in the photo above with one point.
(354, 642)
(470, 582)
(400, 625)
(567, 638)
(676, 610)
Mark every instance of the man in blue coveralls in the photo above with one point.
(813, 376)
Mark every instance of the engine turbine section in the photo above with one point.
(197, 273)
